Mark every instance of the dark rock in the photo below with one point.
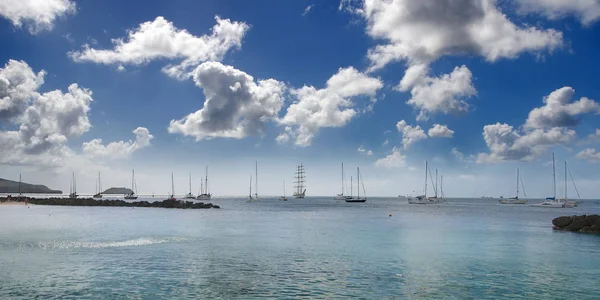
(120, 203)
(582, 223)
(561, 222)
(593, 219)
(578, 223)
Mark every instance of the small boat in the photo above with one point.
(283, 198)
(98, 188)
(204, 194)
(172, 196)
(565, 200)
(255, 198)
(551, 202)
(300, 181)
(73, 188)
(132, 195)
(190, 195)
(342, 196)
(423, 199)
(514, 200)
(358, 185)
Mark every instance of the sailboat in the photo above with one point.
(255, 198)
(342, 196)
(204, 194)
(514, 200)
(250, 199)
(172, 196)
(551, 202)
(98, 188)
(423, 199)
(190, 195)
(358, 199)
(132, 195)
(300, 181)
(565, 200)
(73, 193)
(283, 198)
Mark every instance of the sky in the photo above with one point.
(478, 88)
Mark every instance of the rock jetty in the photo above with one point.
(93, 202)
(585, 223)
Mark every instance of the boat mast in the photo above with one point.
(172, 186)
(206, 181)
(565, 180)
(99, 184)
(190, 183)
(442, 186)
(342, 179)
(517, 183)
(74, 184)
(19, 184)
(132, 180)
(350, 186)
(284, 189)
(426, 168)
(357, 183)
(256, 179)
(554, 176)
(436, 183)
(250, 187)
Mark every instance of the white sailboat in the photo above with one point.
(73, 192)
(341, 196)
(565, 200)
(255, 198)
(172, 196)
(514, 200)
(189, 194)
(283, 198)
(132, 195)
(423, 199)
(98, 188)
(358, 199)
(204, 194)
(300, 180)
(551, 202)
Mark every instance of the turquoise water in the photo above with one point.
(311, 248)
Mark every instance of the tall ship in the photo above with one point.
(204, 194)
(300, 181)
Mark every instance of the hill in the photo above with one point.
(117, 190)
(12, 187)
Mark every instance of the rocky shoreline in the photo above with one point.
(120, 203)
(584, 223)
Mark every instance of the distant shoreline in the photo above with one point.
(93, 202)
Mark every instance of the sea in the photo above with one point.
(311, 248)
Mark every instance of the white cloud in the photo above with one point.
(410, 134)
(121, 149)
(587, 11)
(38, 14)
(419, 32)
(506, 143)
(446, 94)
(386, 142)
(590, 155)
(160, 39)
(459, 155)
(18, 87)
(330, 106)
(307, 10)
(558, 110)
(235, 105)
(440, 131)
(392, 160)
(364, 151)
(594, 137)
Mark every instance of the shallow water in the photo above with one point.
(311, 248)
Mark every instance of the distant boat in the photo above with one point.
(132, 195)
(250, 199)
(565, 200)
(172, 196)
(358, 185)
(514, 200)
(283, 198)
(204, 194)
(73, 192)
(341, 196)
(98, 188)
(300, 180)
(190, 195)
(551, 202)
(255, 198)
(423, 199)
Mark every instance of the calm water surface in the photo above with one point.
(311, 248)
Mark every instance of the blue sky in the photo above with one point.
(473, 64)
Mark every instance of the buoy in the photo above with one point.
(389, 215)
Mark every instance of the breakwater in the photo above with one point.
(120, 203)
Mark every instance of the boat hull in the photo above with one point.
(356, 200)
(512, 201)
(204, 197)
(549, 204)
(423, 200)
(131, 197)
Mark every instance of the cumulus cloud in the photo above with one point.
(457, 154)
(506, 143)
(446, 94)
(590, 155)
(38, 15)
(410, 134)
(440, 131)
(364, 151)
(307, 10)
(331, 106)
(235, 105)
(121, 149)
(45, 121)
(160, 39)
(559, 111)
(392, 160)
(587, 11)
(417, 31)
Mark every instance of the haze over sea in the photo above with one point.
(311, 248)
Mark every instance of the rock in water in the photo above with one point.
(583, 223)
